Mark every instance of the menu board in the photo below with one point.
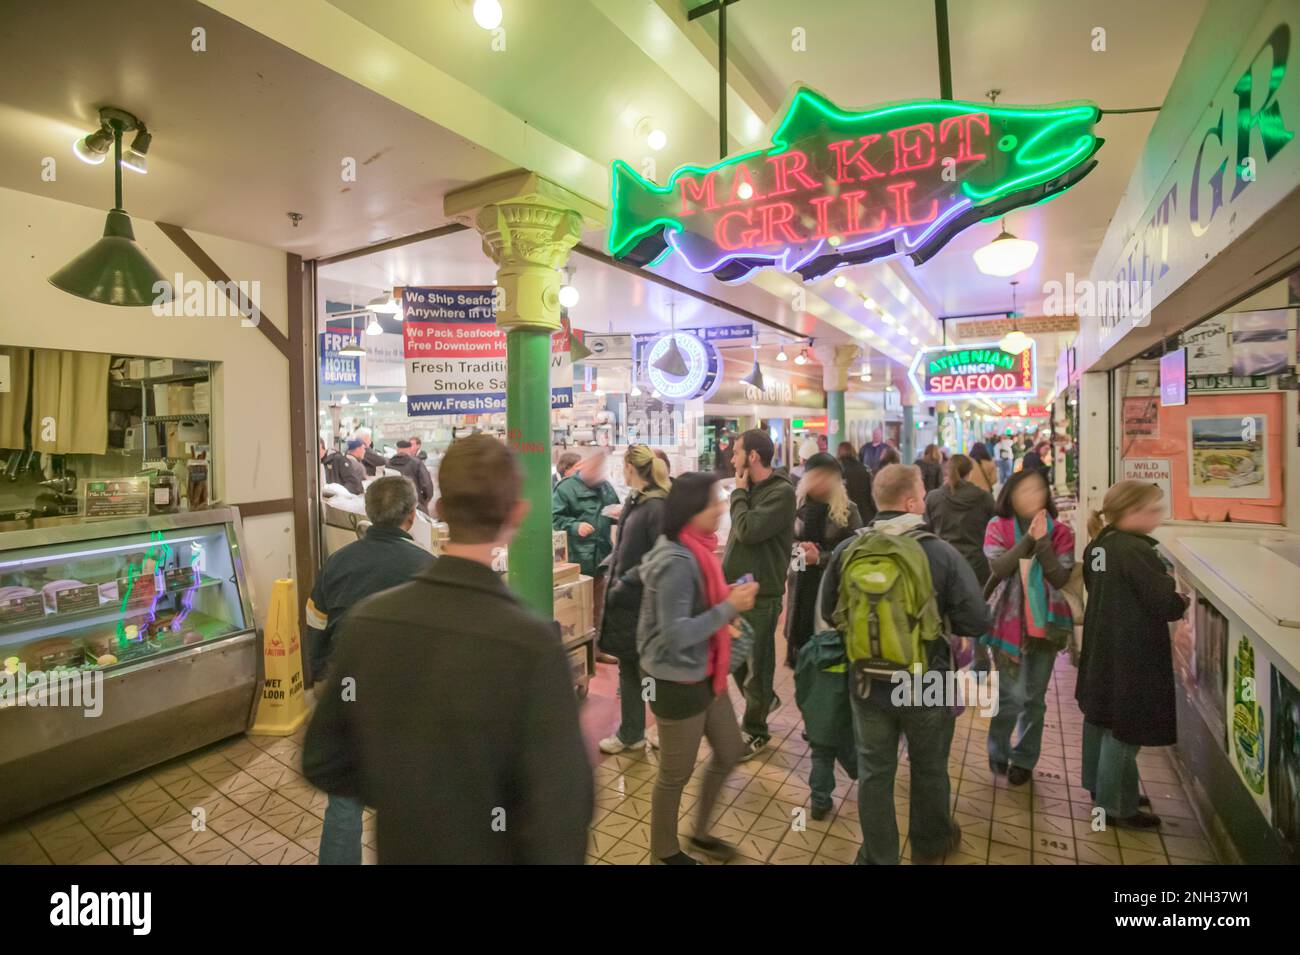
(117, 497)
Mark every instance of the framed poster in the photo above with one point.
(1284, 760)
(1227, 457)
(1246, 716)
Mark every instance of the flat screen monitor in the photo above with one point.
(1173, 378)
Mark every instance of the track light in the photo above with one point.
(801, 358)
(93, 147)
(841, 281)
(134, 158)
(781, 355)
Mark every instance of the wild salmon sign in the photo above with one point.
(975, 371)
(837, 187)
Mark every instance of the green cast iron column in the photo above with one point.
(907, 440)
(836, 424)
(528, 431)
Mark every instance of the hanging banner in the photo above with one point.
(975, 371)
(456, 355)
(838, 187)
(338, 371)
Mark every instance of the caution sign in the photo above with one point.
(283, 706)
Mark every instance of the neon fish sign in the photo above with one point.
(837, 188)
(975, 371)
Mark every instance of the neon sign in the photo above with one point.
(837, 188)
(703, 368)
(975, 371)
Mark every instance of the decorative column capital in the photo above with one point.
(529, 225)
(836, 360)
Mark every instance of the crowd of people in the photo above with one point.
(460, 727)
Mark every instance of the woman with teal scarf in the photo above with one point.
(1030, 555)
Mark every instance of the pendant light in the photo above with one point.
(353, 348)
(755, 377)
(373, 399)
(1014, 341)
(671, 361)
(1006, 255)
(781, 355)
(385, 304)
(374, 328)
(345, 400)
(115, 270)
(802, 357)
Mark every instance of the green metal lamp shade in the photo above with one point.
(115, 270)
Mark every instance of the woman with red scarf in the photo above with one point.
(684, 641)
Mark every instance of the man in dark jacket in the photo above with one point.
(871, 452)
(900, 497)
(409, 466)
(460, 728)
(857, 481)
(344, 469)
(578, 508)
(385, 557)
(371, 459)
(762, 535)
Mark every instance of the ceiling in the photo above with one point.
(243, 133)
(424, 101)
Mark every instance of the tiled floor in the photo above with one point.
(258, 808)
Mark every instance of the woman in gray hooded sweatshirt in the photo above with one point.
(684, 641)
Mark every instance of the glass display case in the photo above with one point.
(150, 619)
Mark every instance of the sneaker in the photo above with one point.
(1143, 801)
(753, 746)
(681, 858)
(652, 736)
(821, 812)
(612, 744)
(713, 847)
(1018, 775)
(1139, 820)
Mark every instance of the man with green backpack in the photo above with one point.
(892, 592)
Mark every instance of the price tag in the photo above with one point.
(22, 609)
(72, 599)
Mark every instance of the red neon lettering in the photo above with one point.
(771, 222)
(844, 159)
(915, 155)
(792, 163)
(694, 192)
(742, 177)
(902, 205)
(965, 136)
(821, 204)
(852, 213)
(722, 237)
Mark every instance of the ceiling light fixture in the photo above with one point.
(93, 147)
(345, 400)
(781, 355)
(115, 270)
(353, 347)
(802, 357)
(487, 13)
(135, 157)
(1006, 255)
(654, 137)
(841, 281)
(568, 292)
(373, 399)
(671, 362)
(755, 377)
(1015, 341)
(373, 327)
(745, 191)
(385, 304)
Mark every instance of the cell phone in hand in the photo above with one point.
(745, 579)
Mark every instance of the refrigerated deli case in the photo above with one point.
(133, 641)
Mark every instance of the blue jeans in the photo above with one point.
(929, 732)
(340, 836)
(1004, 470)
(1021, 705)
(1110, 769)
(631, 727)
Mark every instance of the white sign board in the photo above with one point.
(1151, 471)
(1207, 347)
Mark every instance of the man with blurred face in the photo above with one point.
(583, 506)
(871, 452)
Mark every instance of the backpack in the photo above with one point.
(886, 608)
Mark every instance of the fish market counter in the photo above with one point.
(1237, 664)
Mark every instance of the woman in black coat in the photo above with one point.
(824, 518)
(1126, 672)
(930, 461)
(959, 512)
(639, 526)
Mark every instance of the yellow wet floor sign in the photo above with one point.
(283, 706)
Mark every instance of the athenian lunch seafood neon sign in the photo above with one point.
(975, 371)
(837, 188)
